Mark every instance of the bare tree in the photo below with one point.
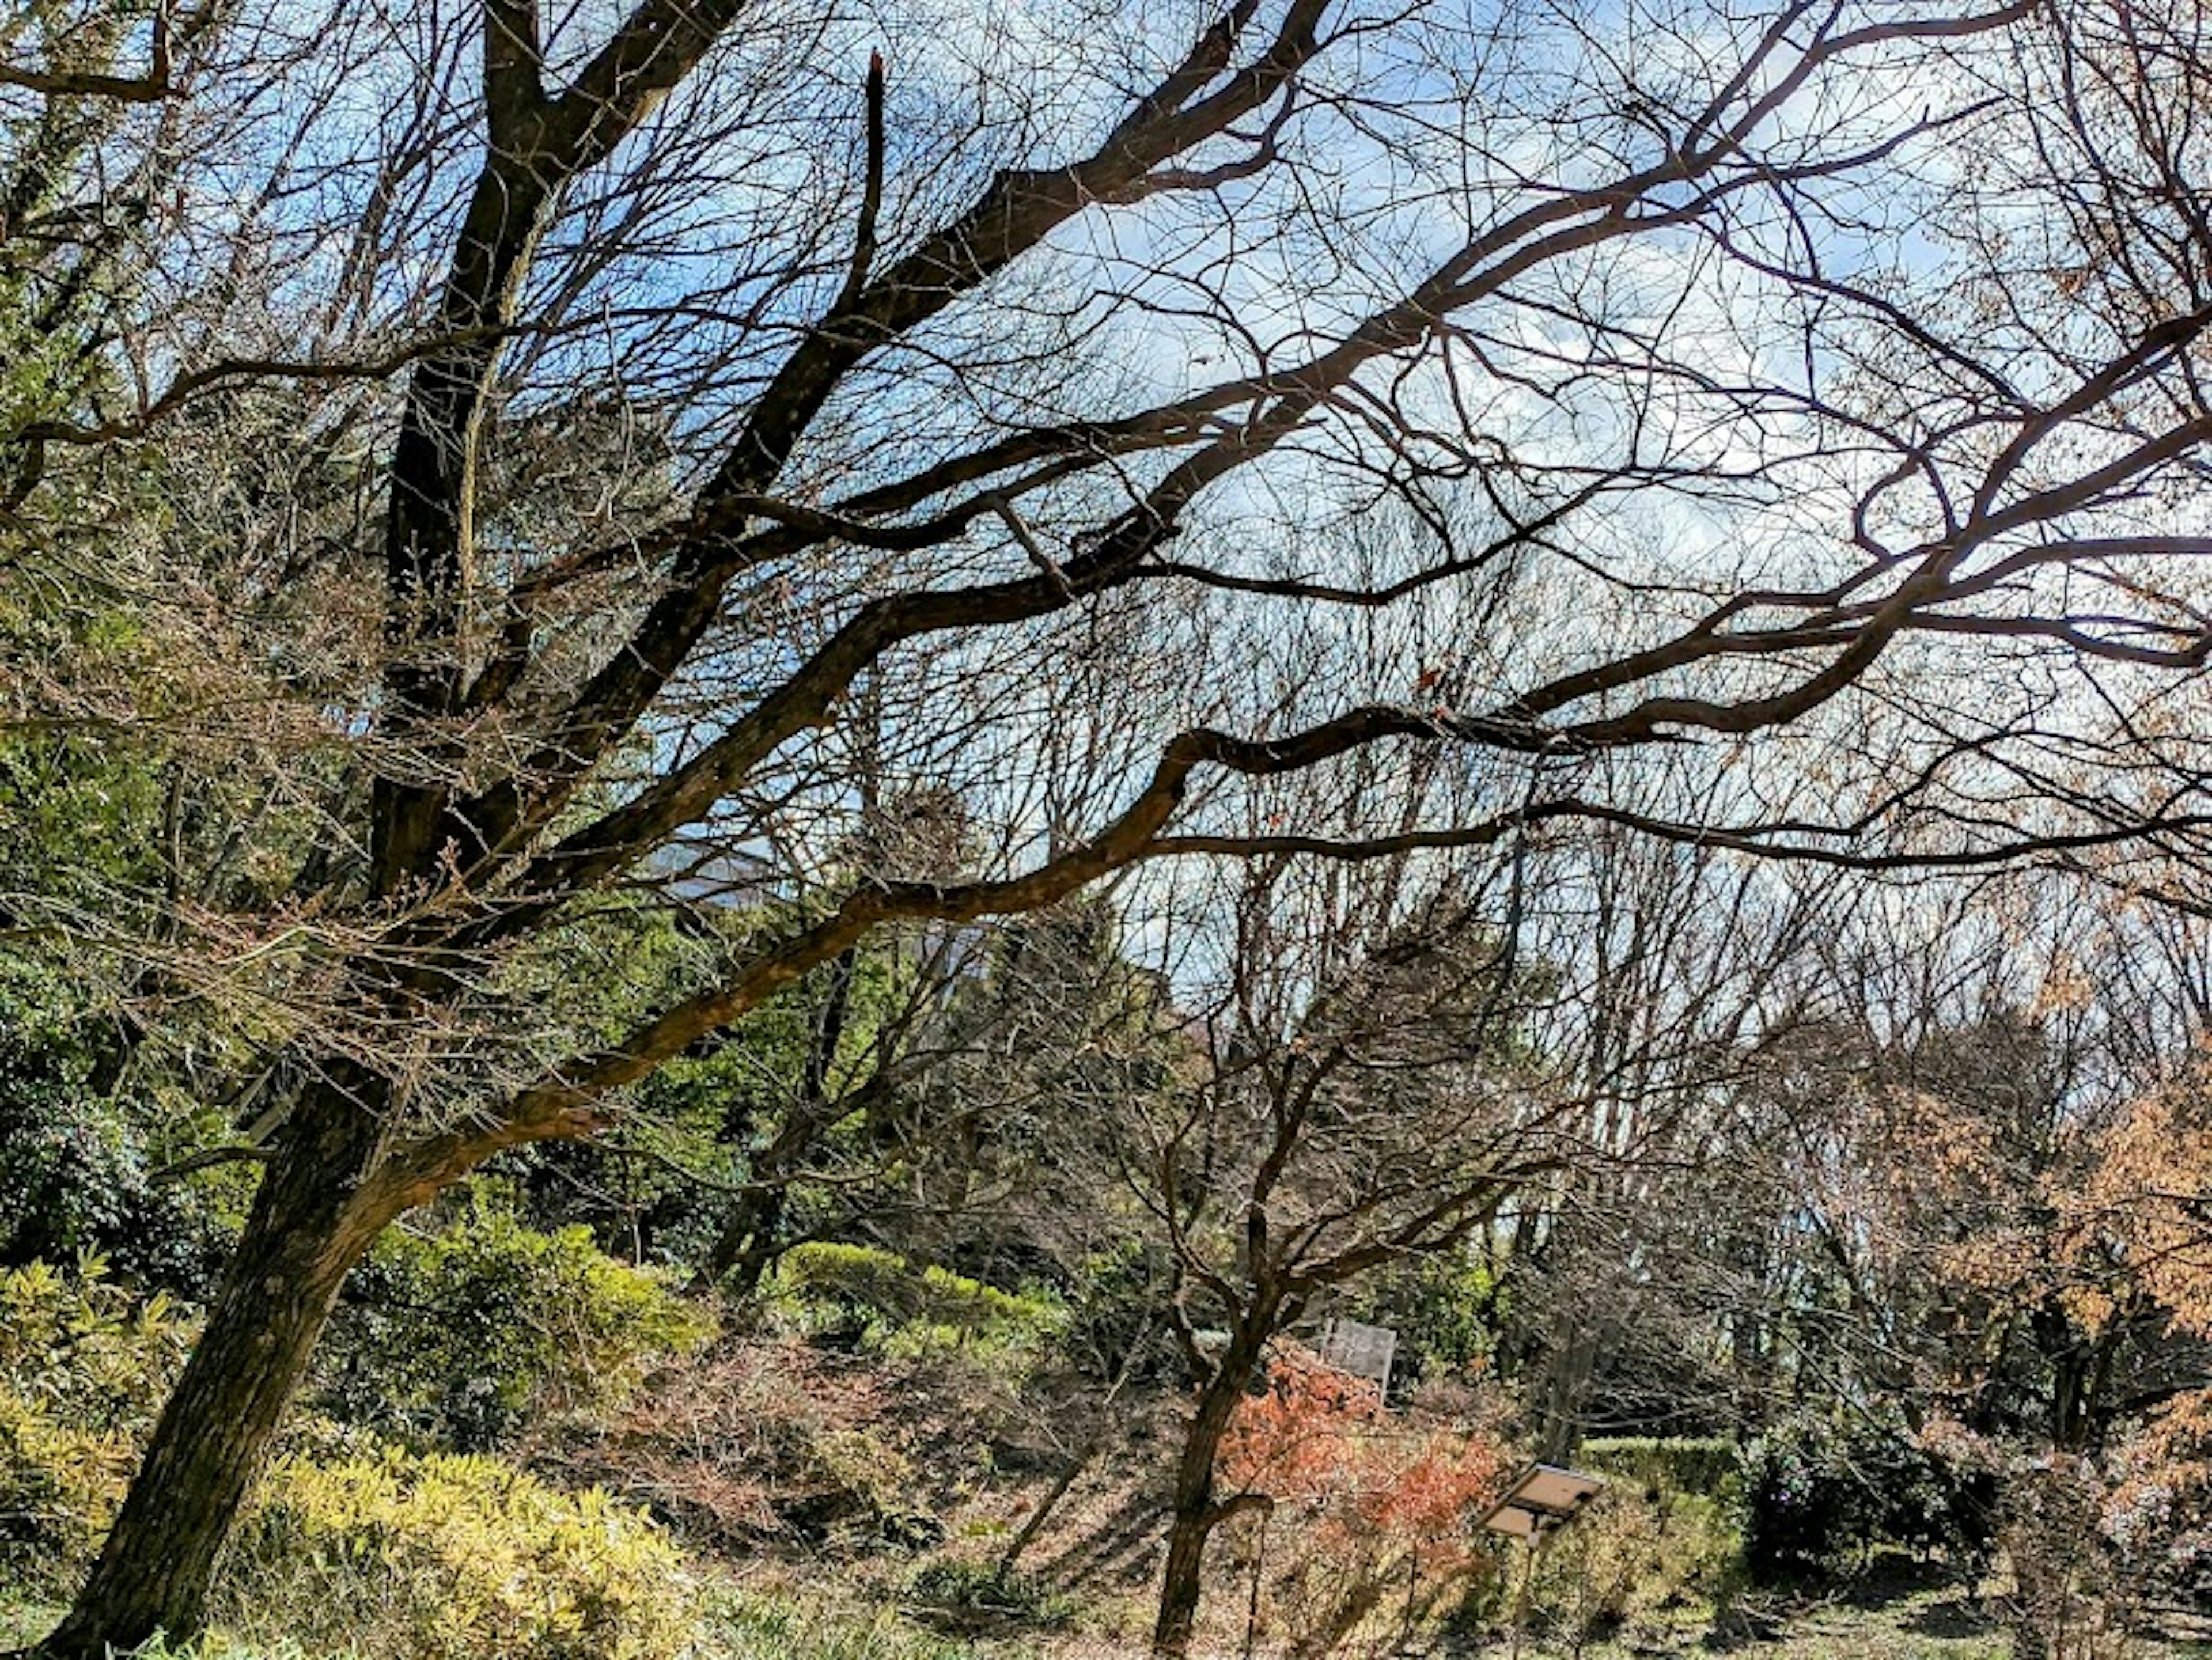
(1347, 1111)
(585, 425)
(1389, 1065)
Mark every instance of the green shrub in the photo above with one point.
(1709, 1465)
(1821, 1493)
(1029, 1317)
(456, 1335)
(747, 1625)
(450, 1556)
(864, 1476)
(84, 1367)
(968, 1589)
(1448, 1311)
(838, 1289)
(876, 1298)
(77, 1154)
(1113, 1323)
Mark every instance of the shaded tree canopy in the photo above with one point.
(491, 475)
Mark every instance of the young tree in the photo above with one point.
(1388, 1060)
(1345, 1115)
(525, 437)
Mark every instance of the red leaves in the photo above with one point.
(1294, 1443)
(1380, 1487)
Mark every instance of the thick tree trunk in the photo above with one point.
(309, 1225)
(1196, 1514)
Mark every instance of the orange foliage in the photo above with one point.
(1372, 1502)
(1295, 1443)
(2143, 1220)
(2159, 1491)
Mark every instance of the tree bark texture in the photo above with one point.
(310, 1223)
(1196, 1513)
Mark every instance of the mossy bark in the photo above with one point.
(310, 1223)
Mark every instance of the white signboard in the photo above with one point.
(1363, 1351)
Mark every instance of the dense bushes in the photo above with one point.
(852, 1294)
(962, 1591)
(83, 1370)
(76, 1173)
(1447, 1310)
(1710, 1466)
(350, 1544)
(776, 1439)
(1114, 1325)
(1362, 1516)
(450, 1556)
(1823, 1492)
(453, 1336)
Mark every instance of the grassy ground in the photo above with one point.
(1897, 1617)
(1899, 1612)
(1896, 1620)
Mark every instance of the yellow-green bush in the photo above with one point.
(382, 1553)
(58, 1489)
(452, 1557)
(1711, 1466)
(882, 1299)
(84, 1366)
(1636, 1557)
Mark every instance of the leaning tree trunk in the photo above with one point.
(1196, 1513)
(751, 1235)
(309, 1225)
(747, 1244)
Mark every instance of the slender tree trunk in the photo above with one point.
(308, 1227)
(1195, 1513)
(747, 1244)
(750, 1235)
(1563, 1393)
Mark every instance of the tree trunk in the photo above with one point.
(1037, 1517)
(747, 1244)
(1195, 1513)
(749, 1240)
(308, 1227)
(1562, 1394)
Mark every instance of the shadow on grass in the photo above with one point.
(1958, 1616)
(1894, 1579)
(1911, 1599)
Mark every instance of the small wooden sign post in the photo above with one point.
(1541, 1500)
